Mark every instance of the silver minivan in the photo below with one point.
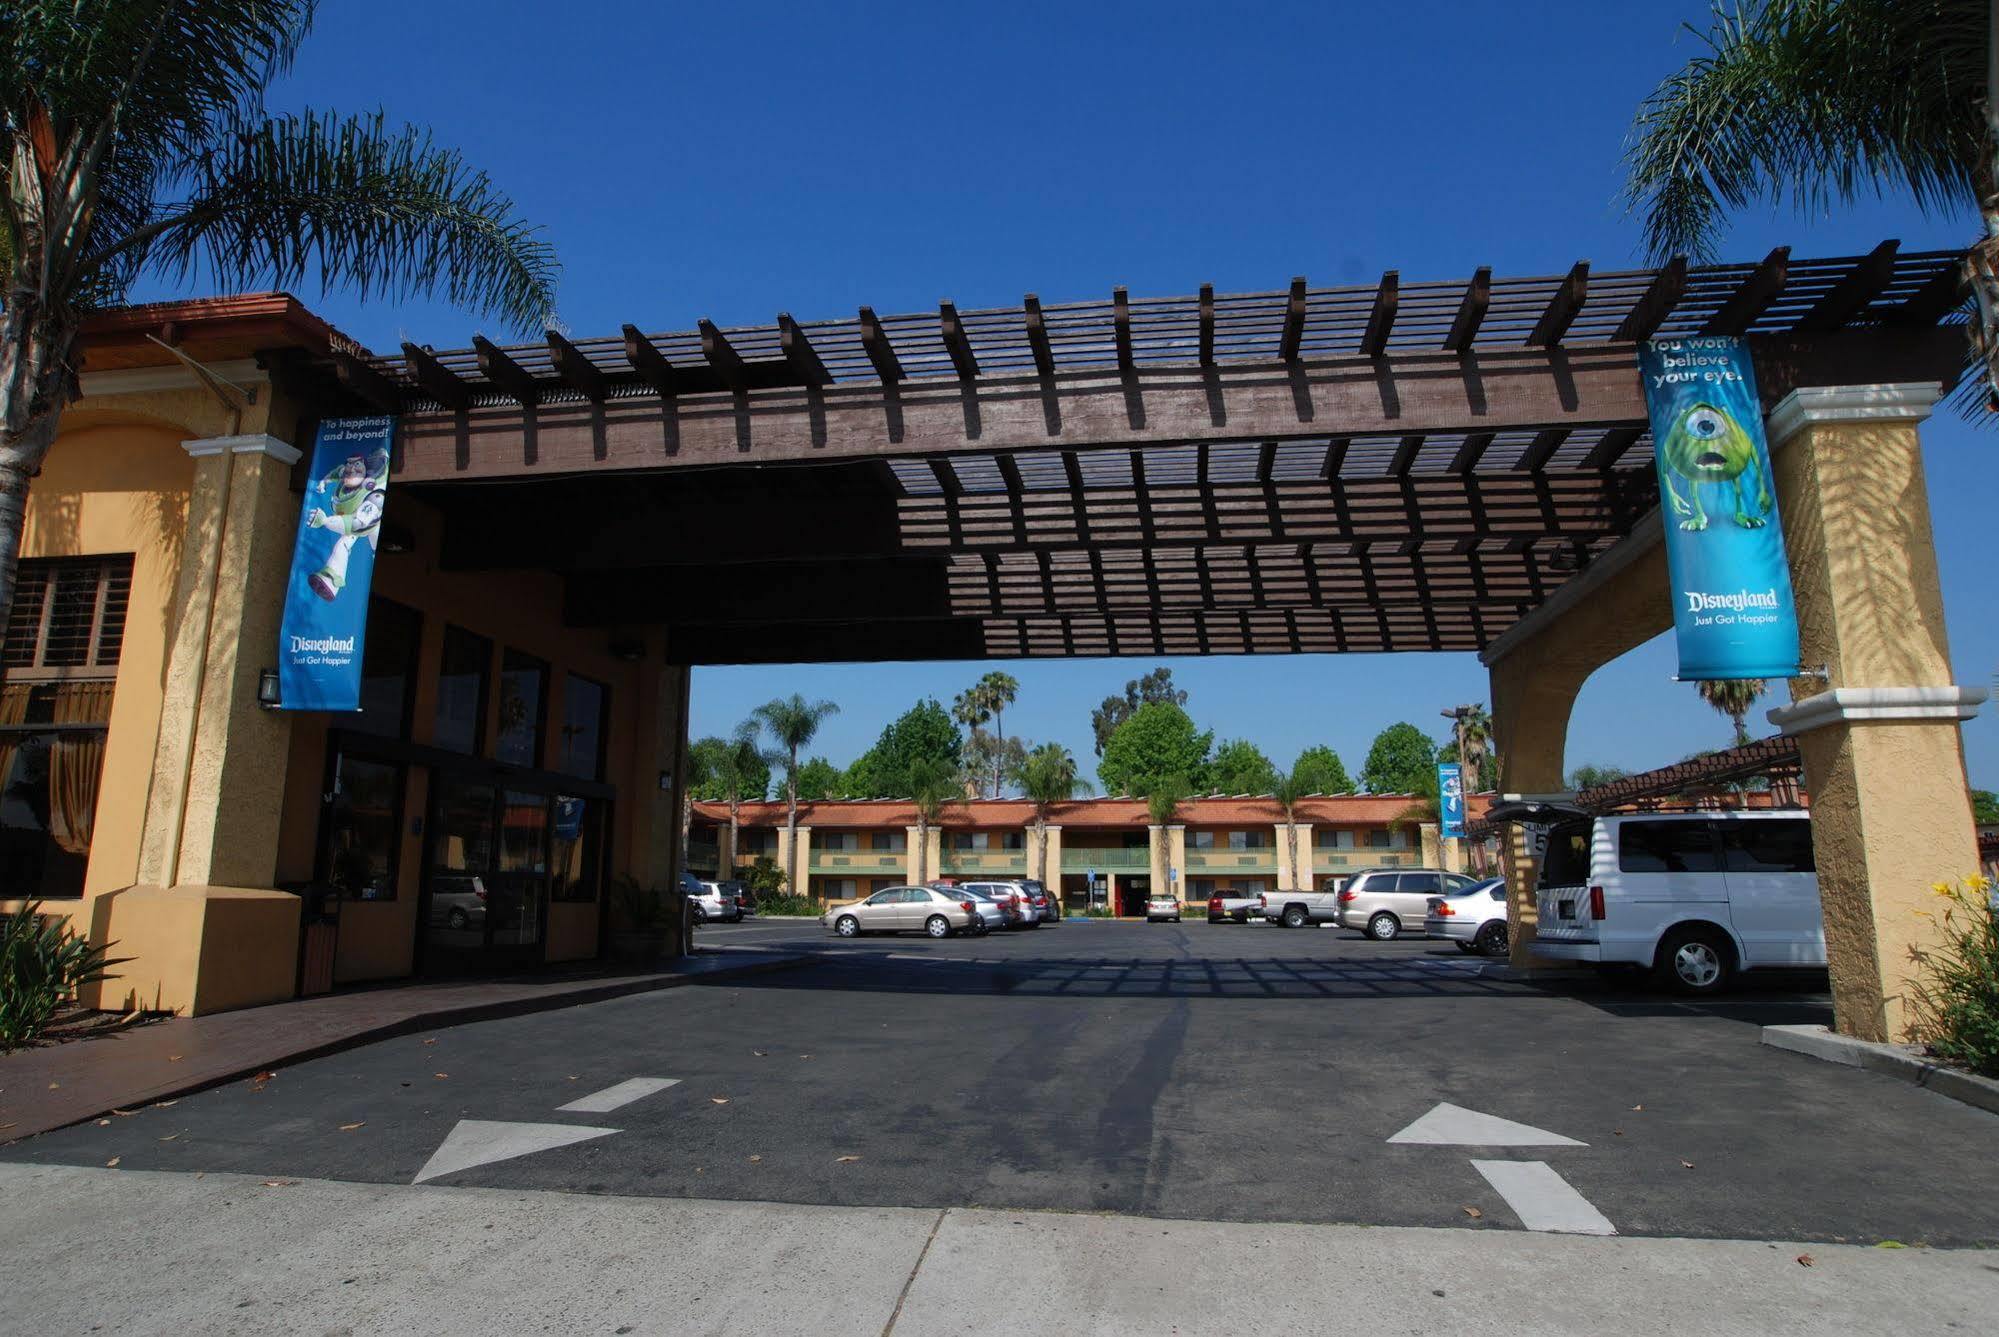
(1383, 903)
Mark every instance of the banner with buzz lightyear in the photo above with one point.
(1731, 584)
(320, 643)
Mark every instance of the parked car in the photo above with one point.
(711, 902)
(457, 901)
(1694, 897)
(1018, 902)
(1161, 908)
(1384, 902)
(1049, 903)
(1235, 906)
(904, 910)
(1300, 906)
(990, 915)
(1474, 919)
(740, 893)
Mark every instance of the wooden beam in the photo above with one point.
(1207, 324)
(1667, 286)
(1037, 335)
(881, 352)
(1943, 294)
(367, 382)
(437, 380)
(799, 352)
(956, 342)
(1404, 458)
(722, 355)
(650, 363)
(1857, 287)
(577, 371)
(1470, 452)
(1294, 322)
(1611, 448)
(1121, 327)
(505, 373)
(1541, 449)
(1381, 320)
(1471, 311)
(1753, 298)
(1562, 308)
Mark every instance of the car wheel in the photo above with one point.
(456, 919)
(1294, 916)
(1493, 939)
(1466, 947)
(1696, 961)
(937, 926)
(1384, 927)
(847, 926)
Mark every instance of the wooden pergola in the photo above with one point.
(1388, 467)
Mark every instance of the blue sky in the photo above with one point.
(733, 161)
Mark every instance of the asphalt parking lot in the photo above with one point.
(1238, 1073)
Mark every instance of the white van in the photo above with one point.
(1692, 896)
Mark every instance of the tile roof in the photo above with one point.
(1239, 810)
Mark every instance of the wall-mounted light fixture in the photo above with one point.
(269, 696)
(629, 649)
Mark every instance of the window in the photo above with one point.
(523, 708)
(1567, 860)
(1783, 846)
(1332, 840)
(1248, 840)
(1418, 884)
(1200, 840)
(838, 840)
(388, 668)
(68, 614)
(461, 692)
(758, 840)
(888, 841)
(51, 760)
(363, 823)
(1013, 840)
(1379, 840)
(585, 705)
(836, 888)
(968, 840)
(1666, 847)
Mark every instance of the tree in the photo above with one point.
(1154, 687)
(1732, 697)
(988, 760)
(988, 757)
(1047, 776)
(1320, 770)
(1239, 767)
(1590, 775)
(931, 786)
(1984, 807)
(1163, 796)
(701, 760)
(924, 732)
(1159, 740)
(741, 770)
(1287, 793)
(1403, 760)
(137, 143)
(819, 779)
(1470, 746)
(1824, 102)
(793, 723)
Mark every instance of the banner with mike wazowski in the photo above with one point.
(321, 641)
(1732, 606)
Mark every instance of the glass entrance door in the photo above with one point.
(485, 876)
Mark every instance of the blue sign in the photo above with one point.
(1450, 800)
(1731, 584)
(320, 643)
(568, 817)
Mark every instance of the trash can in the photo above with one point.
(319, 937)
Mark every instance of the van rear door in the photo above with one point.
(1563, 890)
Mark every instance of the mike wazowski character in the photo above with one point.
(353, 513)
(1708, 446)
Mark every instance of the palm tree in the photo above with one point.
(1291, 790)
(1048, 776)
(987, 699)
(738, 764)
(793, 724)
(1823, 102)
(1471, 728)
(1001, 689)
(1732, 697)
(136, 142)
(931, 786)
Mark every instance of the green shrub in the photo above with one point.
(776, 904)
(1957, 1000)
(42, 965)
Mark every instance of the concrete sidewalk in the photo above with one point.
(92, 1250)
(57, 1085)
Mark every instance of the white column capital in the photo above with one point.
(255, 443)
(1907, 401)
(1851, 705)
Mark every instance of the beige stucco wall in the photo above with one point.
(1288, 877)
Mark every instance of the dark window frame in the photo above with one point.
(599, 764)
(513, 660)
(478, 746)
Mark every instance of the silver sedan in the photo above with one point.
(904, 910)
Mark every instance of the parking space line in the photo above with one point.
(1542, 1199)
(613, 1097)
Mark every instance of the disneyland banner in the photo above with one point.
(1450, 800)
(1731, 584)
(326, 603)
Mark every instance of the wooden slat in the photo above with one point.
(1933, 301)
(576, 370)
(438, 381)
(1471, 311)
(799, 353)
(1607, 452)
(1294, 322)
(1405, 455)
(1207, 303)
(1855, 289)
(1037, 335)
(722, 355)
(1470, 452)
(367, 382)
(1658, 302)
(1753, 298)
(956, 342)
(881, 352)
(650, 363)
(1562, 308)
(1542, 449)
(1381, 320)
(1121, 327)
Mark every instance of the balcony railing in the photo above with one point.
(984, 861)
(1340, 861)
(857, 861)
(1231, 861)
(1118, 861)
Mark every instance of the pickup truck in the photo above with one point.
(1239, 906)
(1297, 908)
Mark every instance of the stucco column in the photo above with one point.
(1880, 735)
(933, 867)
(1289, 878)
(657, 856)
(1050, 871)
(1452, 854)
(803, 886)
(1430, 848)
(1161, 859)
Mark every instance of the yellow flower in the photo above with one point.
(1941, 888)
(1978, 882)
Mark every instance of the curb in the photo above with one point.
(1897, 1061)
(424, 1021)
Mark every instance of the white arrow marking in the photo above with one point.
(479, 1142)
(1543, 1199)
(1454, 1126)
(611, 1097)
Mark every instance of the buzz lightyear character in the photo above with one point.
(353, 513)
